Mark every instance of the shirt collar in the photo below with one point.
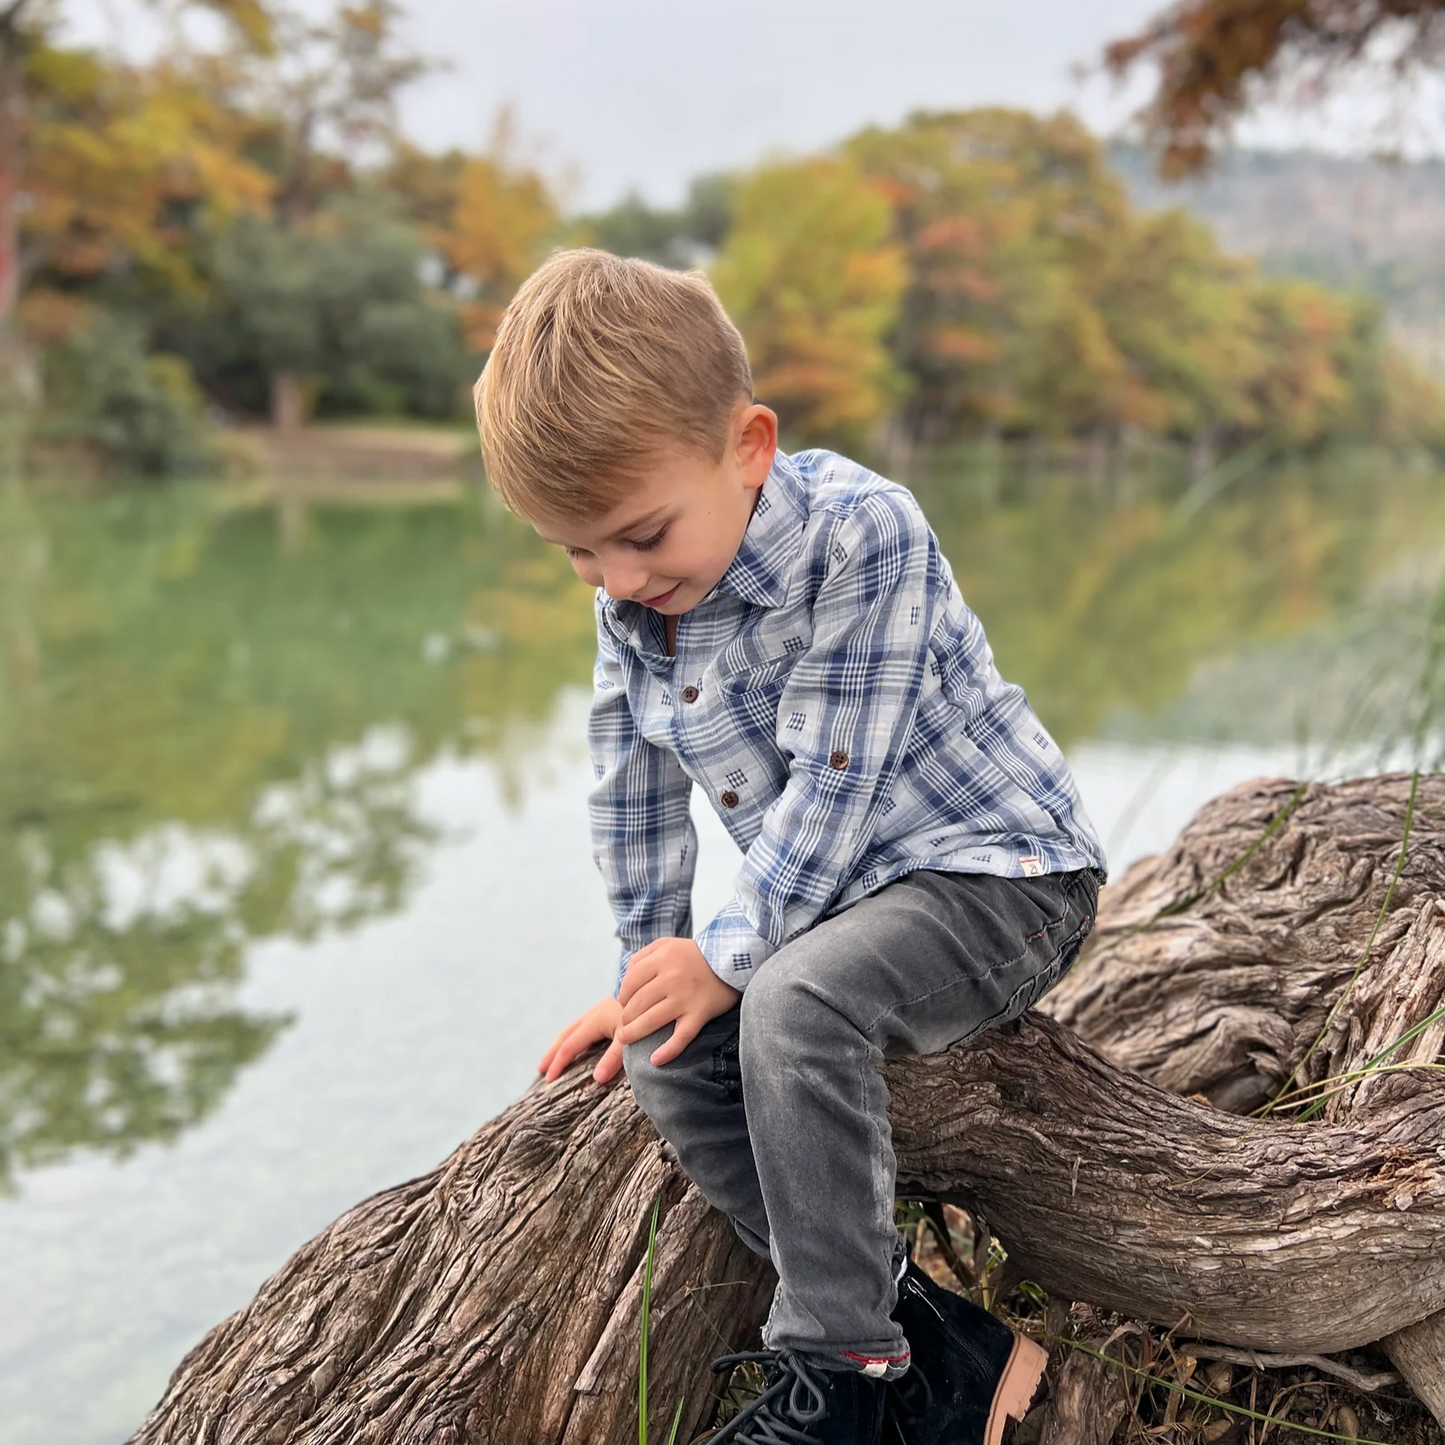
(758, 574)
(764, 563)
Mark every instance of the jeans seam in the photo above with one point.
(1063, 918)
(1081, 932)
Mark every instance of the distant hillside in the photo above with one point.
(1373, 225)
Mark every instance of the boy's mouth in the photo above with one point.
(662, 598)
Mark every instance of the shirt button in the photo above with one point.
(838, 759)
(689, 693)
(729, 799)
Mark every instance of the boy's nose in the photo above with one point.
(623, 583)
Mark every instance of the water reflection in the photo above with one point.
(205, 742)
(208, 739)
(1106, 611)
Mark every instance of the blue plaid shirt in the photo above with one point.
(839, 705)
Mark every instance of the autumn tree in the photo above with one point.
(1006, 220)
(95, 159)
(809, 273)
(488, 219)
(1216, 58)
(500, 221)
(1041, 303)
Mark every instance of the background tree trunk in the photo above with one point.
(288, 402)
(12, 99)
(498, 1298)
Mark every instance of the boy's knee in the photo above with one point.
(650, 1084)
(777, 1010)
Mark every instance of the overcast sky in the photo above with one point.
(644, 94)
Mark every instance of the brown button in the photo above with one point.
(729, 799)
(838, 759)
(689, 694)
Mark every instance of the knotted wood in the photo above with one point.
(498, 1299)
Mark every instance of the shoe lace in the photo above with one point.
(791, 1399)
(908, 1398)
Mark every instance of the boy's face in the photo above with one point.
(677, 530)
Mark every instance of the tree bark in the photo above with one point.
(498, 1298)
(288, 402)
(1087, 1401)
(12, 101)
(1303, 966)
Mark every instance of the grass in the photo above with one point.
(643, 1342)
(1173, 1397)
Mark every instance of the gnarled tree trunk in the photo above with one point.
(498, 1298)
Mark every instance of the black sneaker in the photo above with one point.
(803, 1404)
(970, 1373)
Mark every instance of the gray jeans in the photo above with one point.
(778, 1111)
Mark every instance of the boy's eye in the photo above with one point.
(648, 543)
(576, 552)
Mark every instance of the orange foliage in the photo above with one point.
(1212, 55)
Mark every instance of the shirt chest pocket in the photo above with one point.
(767, 675)
(761, 661)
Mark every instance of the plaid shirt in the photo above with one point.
(840, 707)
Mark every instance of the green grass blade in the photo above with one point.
(1179, 905)
(1186, 1393)
(646, 1319)
(676, 1421)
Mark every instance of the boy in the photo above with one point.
(784, 633)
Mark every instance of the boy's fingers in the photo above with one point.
(552, 1049)
(639, 972)
(610, 1063)
(645, 998)
(574, 1043)
(658, 1016)
(688, 1027)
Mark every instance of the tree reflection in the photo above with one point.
(204, 743)
(1104, 608)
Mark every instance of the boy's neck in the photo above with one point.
(669, 627)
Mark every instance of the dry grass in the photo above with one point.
(1176, 1395)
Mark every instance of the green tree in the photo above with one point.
(95, 157)
(813, 281)
(687, 236)
(138, 413)
(337, 304)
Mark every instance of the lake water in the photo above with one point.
(294, 876)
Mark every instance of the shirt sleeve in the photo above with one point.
(862, 678)
(643, 840)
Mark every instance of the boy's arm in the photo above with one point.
(643, 839)
(858, 685)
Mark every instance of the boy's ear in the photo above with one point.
(757, 442)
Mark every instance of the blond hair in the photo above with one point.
(600, 366)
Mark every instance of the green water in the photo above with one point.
(294, 880)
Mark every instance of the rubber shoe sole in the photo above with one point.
(1016, 1387)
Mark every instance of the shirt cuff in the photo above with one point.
(622, 970)
(732, 946)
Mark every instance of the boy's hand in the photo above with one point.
(669, 982)
(601, 1021)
